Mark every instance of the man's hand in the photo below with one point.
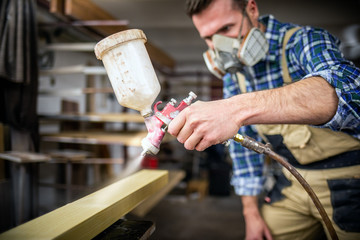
(256, 228)
(203, 124)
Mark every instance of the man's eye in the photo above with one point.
(226, 29)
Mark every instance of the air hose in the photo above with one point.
(265, 149)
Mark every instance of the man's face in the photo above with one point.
(220, 17)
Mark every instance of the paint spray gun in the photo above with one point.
(157, 124)
(135, 83)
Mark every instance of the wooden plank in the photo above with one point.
(69, 154)
(80, 47)
(87, 10)
(24, 157)
(174, 178)
(83, 69)
(99, 161)
(127, 138)
(159, 57)
(96, 117)
(74, 91)
(57, 7)
(89, 216)
(90, 104)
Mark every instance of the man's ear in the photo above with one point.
(252, 10)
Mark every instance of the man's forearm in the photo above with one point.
(309, 101)
(250, 206)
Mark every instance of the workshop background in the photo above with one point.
(63, 134)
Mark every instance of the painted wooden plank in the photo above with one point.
(174, 178)
(89, 216)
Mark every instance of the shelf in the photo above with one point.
(74, 91)
(87, 10)
(97, 161)
(24, 157)
(80, 47)
(96, 117)
(83, 69)
(127, 138)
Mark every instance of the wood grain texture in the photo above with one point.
(88, 216)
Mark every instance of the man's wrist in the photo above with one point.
(247, 105)
(250, 206)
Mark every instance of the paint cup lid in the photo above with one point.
(115, 39)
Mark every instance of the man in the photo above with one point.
(326, 96)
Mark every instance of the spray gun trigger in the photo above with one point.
(156, 110)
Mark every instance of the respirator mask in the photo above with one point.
(231, 54)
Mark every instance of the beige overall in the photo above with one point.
(295, 216)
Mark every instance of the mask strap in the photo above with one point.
(242, 21)
(245, 15)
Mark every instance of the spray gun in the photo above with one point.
(135, 83)
(157, 123)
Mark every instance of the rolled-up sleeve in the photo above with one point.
(318, 54)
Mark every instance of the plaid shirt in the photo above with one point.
(310, 52)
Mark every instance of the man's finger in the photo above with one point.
(177, 124)
(192, 141)
(184, 133)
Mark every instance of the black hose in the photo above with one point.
(265, 149)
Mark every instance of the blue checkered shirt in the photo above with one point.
(310, 52)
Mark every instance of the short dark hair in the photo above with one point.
(193, 7)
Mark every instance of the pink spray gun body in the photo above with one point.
(157, 123)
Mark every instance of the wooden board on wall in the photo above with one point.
(89, 216)
(57, 7)
(127, 138)
(85, 10)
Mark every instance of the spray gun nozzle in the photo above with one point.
(143, 153)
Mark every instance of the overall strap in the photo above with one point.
(284, 66)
